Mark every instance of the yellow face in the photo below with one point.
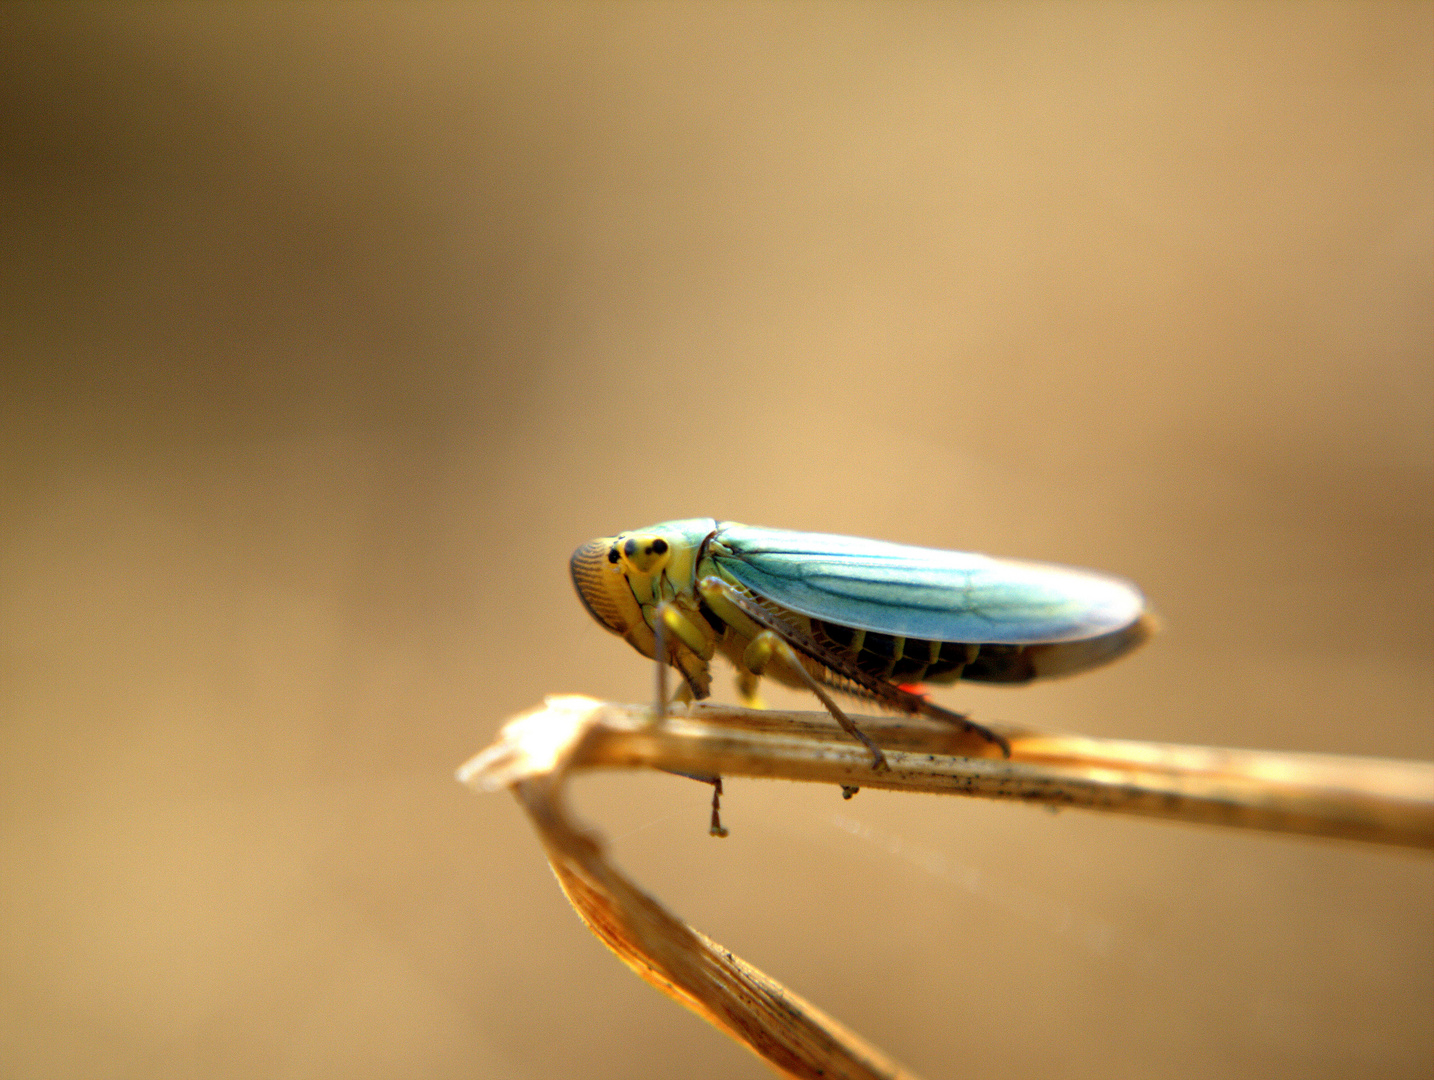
(600, 578)
(620, 579)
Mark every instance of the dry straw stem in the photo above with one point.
(1367, 799)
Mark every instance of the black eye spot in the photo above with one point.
(612, 554)
(659, 547)
(630, 548)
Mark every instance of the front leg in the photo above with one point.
(670, 623)
(683, 644)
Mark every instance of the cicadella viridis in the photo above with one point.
(863, 617)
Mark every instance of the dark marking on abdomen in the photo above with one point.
(889, 656)
(1000, 664)
(918, 660)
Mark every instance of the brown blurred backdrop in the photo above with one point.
(328, 333)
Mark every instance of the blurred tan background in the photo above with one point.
(328, 333)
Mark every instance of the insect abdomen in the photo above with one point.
(893, 658)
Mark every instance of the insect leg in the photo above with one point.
(669, 620)
(748, 685)
(768, 640)
(659, 708)
(716, 828)
(682, 644)
(768, 644)
(936, 712)
(740, 609)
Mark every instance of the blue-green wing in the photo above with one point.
(924, 592)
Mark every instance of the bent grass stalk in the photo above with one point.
(1362, 799)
